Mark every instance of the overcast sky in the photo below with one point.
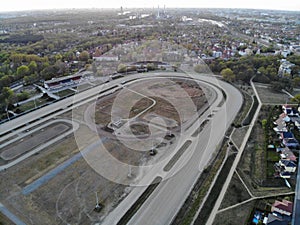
(17, 5)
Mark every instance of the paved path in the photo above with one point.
(255, 198)
(75, 126)
(10, 215)
(51, 174)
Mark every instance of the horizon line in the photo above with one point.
(118, 8)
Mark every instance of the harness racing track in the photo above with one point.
(179, 170)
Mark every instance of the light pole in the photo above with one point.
(98, 206)
(7, 114)
(34, 102)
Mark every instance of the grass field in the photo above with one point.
(267, 96)
(235, 216)
(32, 104)
(235, 193)
(4, 220)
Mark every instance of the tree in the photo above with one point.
(22, 96)
(150, 66)
(7, 92)
(285, 84)
(296, 81)
(58, 57)
(201, 68)
(32, 67)
(5, 81)
(22, 71)
(228, 75)
(30, 79)
(296, 98)
(121, 68)
(8, 96)
(264, 123)
(84, 56)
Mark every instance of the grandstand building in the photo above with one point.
(61, 82)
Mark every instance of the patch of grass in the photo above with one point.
(32, 104)
(235, 193)
(236, 216)
(215, 192)
(252, 111)
(238, 135)
(256, 166)
(244, 110)
(65, 93)
(272, 156)
(4, 220)
(259, 162)
(266, 95)
(270, 169)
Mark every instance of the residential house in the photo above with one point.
(287, 135)
(291, 112)
(290, 142)
(285, 208)
(281, 126)
(287, 154)
(288, 139)
(288, 166)
(285, 175)
(285, 68)
(277, 219)
(285, 117)
(106, 58)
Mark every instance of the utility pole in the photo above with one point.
(98, 206)
(129, 171)
(34, 102)
(7, 113)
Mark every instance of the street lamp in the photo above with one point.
(98, 207)
(6, 109)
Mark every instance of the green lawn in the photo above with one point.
(32, 104)
(65, 93)
(272, 156)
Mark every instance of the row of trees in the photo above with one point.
(264, 67)
(32, 68)
(246, 67)
(8, 98)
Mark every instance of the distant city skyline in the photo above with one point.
(18, 5)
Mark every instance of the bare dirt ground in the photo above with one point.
(138, 97)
